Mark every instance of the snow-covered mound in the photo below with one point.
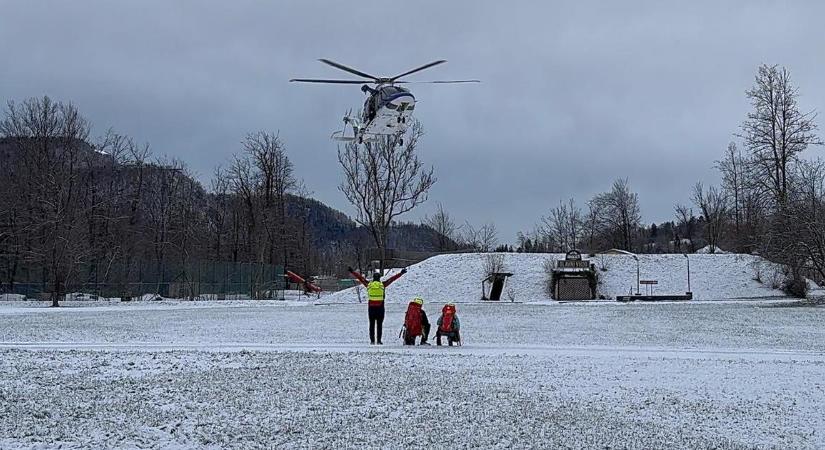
(708, 249)
(457, 277)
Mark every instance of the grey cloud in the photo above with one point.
(574, 94)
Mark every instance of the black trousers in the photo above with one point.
(452, 336)
(376, 314)
(425, 331)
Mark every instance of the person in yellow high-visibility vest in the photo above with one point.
(376, 293)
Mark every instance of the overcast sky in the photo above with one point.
(573, 94)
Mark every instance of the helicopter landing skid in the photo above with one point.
(339, 136)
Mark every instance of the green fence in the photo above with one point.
(197, 280)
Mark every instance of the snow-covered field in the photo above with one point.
(264, 375)
(458, 277)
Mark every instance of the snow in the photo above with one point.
(457, 277)
(708, 249)
(88, 299)
(177, 374)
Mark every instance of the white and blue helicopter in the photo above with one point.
(388, 107)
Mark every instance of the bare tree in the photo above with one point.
(470, 237)
(796, 237)
(12, 224)
(301, 242)
(219, 212)
(272, 179)
(166, 195)
(783, 228)
(714, 207)
(242, 182)
(564, 226)
(618, 214)
(127, 238)
(493, 263)
(686, 222)
(259, 182)
(483, 239)
(732, 167)
(445, 228)
(488, 237)
(523, 242)
(384, 180)
(776, 131)
(805, 217)
(50, 139)
(591, 225)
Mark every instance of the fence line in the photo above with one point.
(202, 279)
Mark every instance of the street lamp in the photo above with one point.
(688, 271)
(638, 274)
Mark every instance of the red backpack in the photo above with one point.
(412, 321)
(447, 314)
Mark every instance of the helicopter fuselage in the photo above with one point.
(387, 111)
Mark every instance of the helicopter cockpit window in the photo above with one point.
(390, 91)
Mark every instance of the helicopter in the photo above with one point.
(388, 107)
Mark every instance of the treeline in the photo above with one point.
(771, 199)
(76, 212)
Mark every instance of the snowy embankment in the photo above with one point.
(458, 277)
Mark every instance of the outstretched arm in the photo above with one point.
(358, 276)
(395, 277)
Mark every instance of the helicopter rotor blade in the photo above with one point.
(418, 69)
(314, 80)
(437, 82)
(348, 69)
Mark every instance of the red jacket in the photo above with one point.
(364, 281)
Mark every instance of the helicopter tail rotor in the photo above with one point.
(348, 118)
(348, 121)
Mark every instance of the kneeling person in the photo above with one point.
(416, 323)
(448, 325)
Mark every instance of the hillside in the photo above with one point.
(326, 225)
(329, 226)
(458, 277)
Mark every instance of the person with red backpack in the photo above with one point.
(415, 323)
(375, 305)
(448, 325)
